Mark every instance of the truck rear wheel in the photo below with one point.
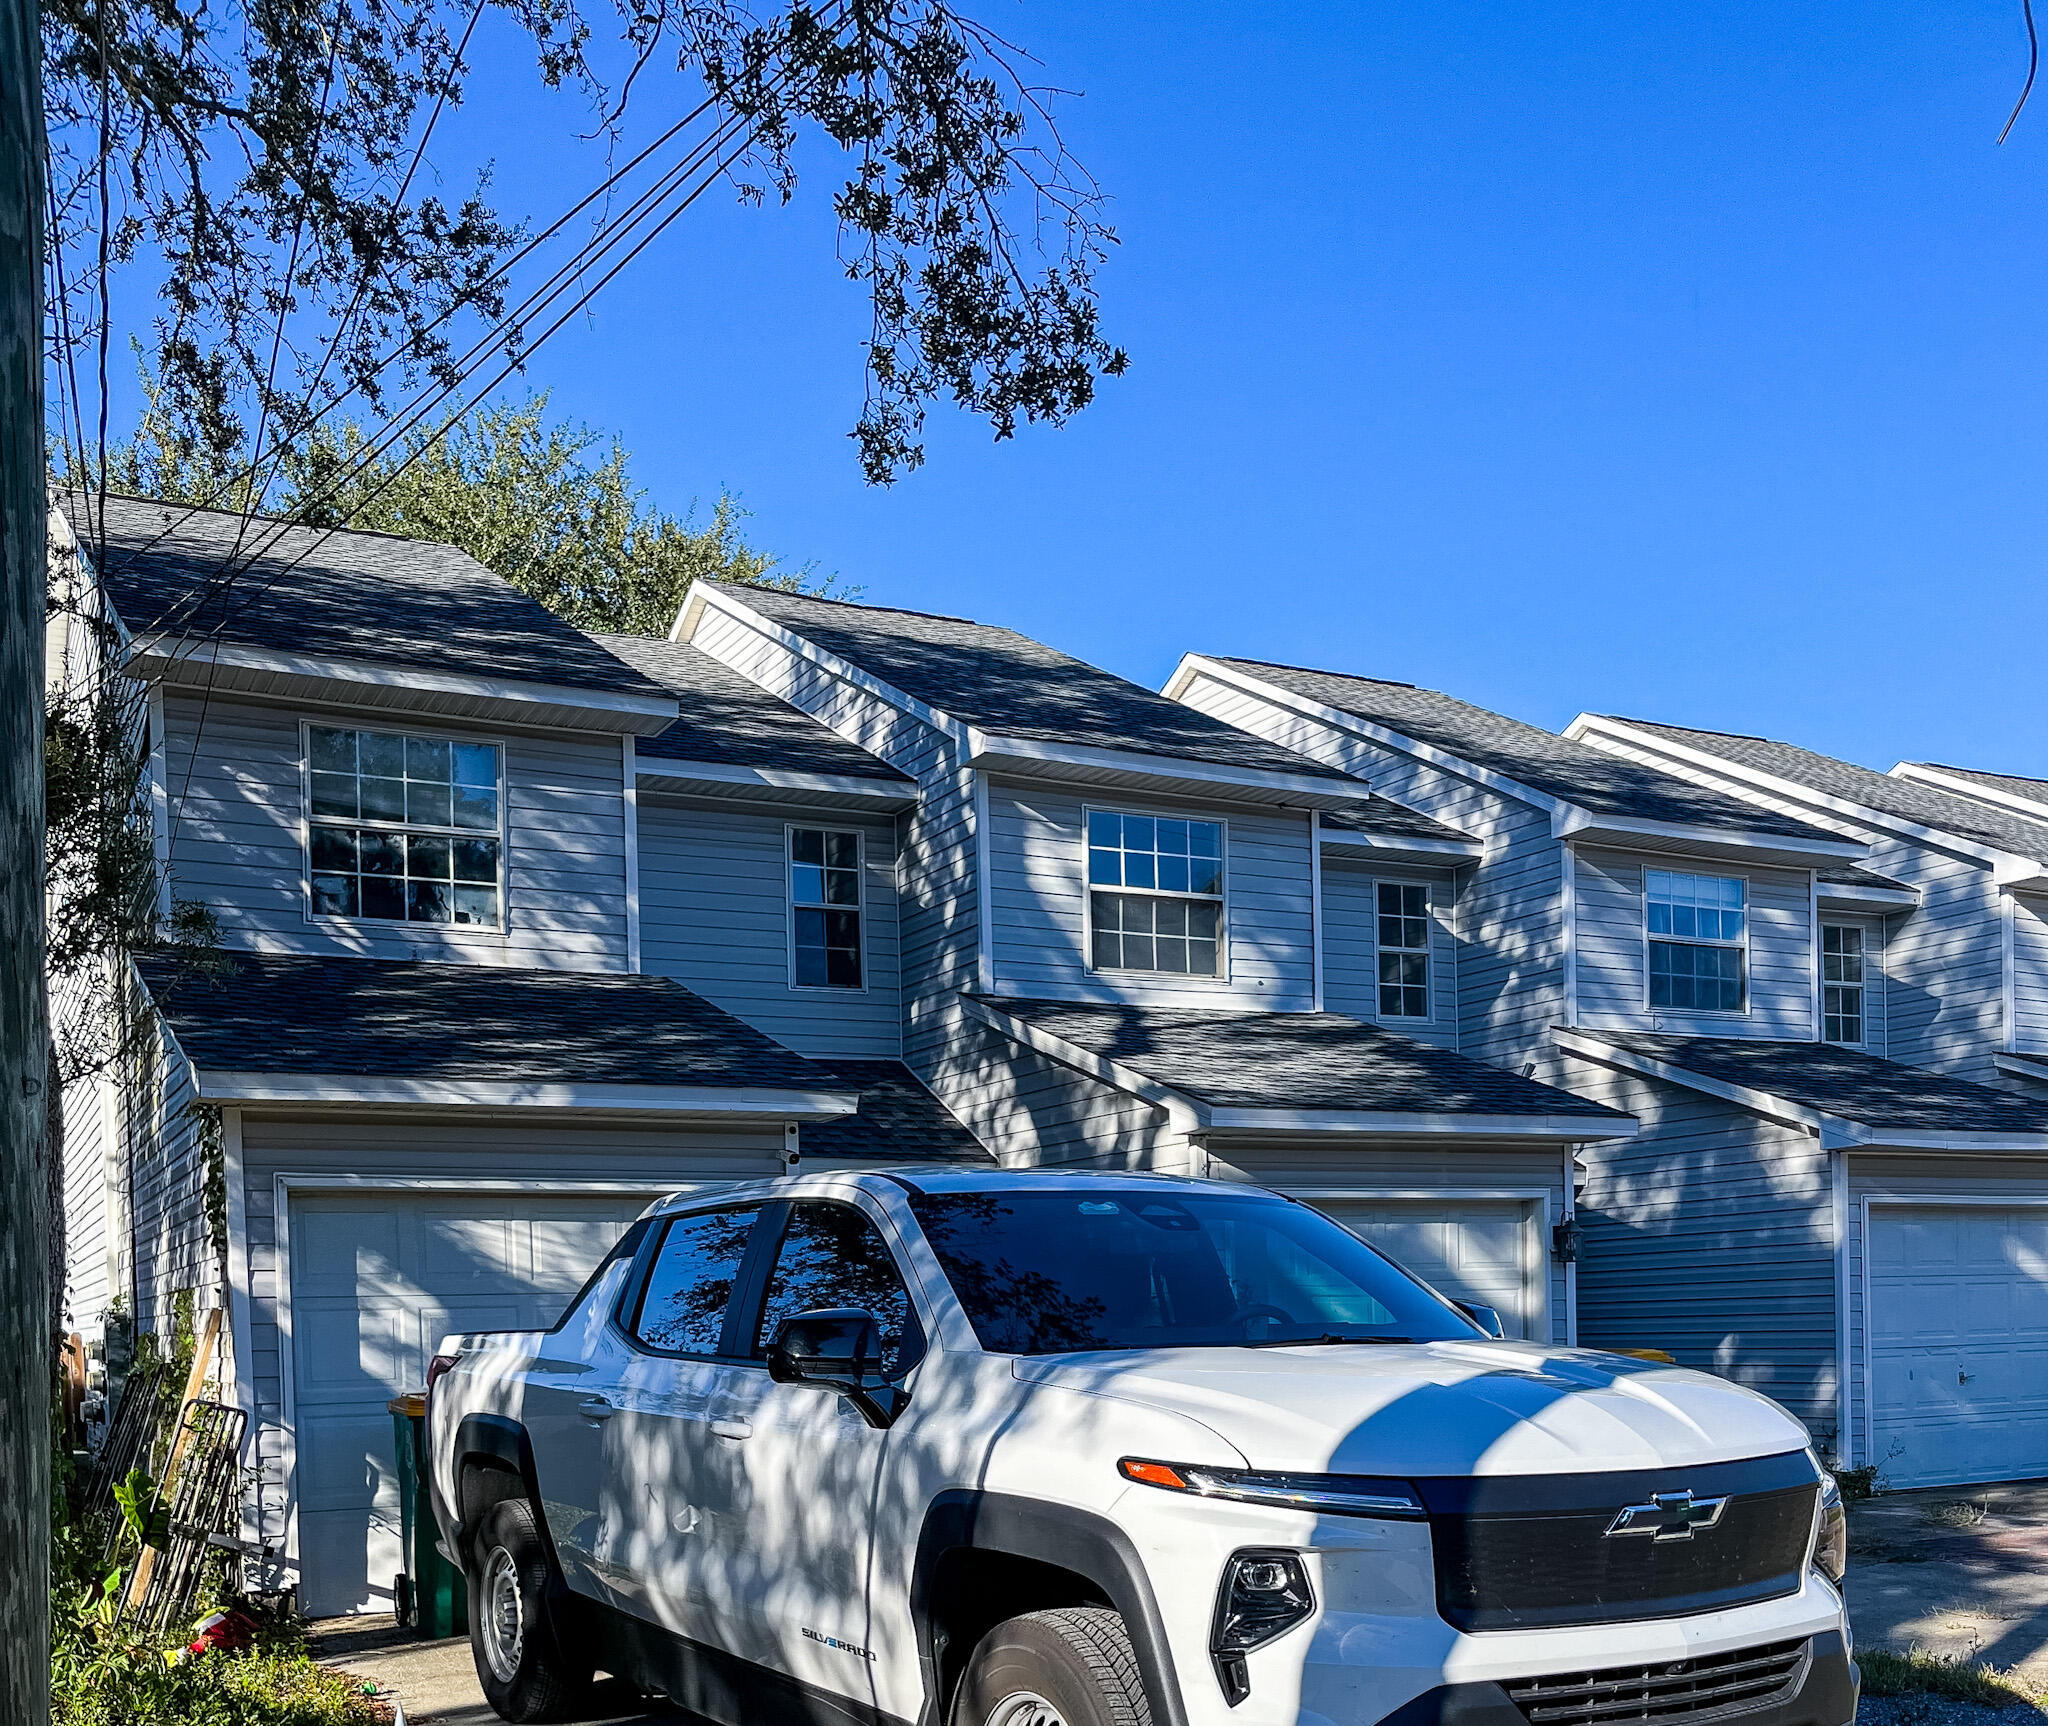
(519, 1661)
(1071, 1666)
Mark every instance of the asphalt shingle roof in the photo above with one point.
(1843, 1082)
(341, 594)
(2012, 784)
(387, 1018)
(899, 1120)
(1848, 875)
(1010, 685)
(1293, 1061)
(1382, 815)
(1903, 799)
(1575, 772)
(732, 721)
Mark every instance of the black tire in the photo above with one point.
(519, 1659)
(1077, 1659)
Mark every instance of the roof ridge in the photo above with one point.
(1978, 772)
(1322, 671)
(1709, 731)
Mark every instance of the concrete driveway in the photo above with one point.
(1959, 1572)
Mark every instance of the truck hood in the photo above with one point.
(1446, 1408)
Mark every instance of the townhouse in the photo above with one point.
(518, 927)
(1801, 1006)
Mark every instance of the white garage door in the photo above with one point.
(1959, 1343)
(376, 1281)
(1480, 1250)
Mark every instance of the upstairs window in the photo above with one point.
(404, 829)
(1155, 894)
(1403, 937)
(824, 901)
(1841, 978)
(1699, 930)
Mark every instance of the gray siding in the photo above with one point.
(715, 916)
(1351, 952)
(404, 1151)
(1508, 916)
(1613, 982)
(91, 1114)
(165, 1178)
(1038, 866)
(236, 842)
(1710, 1234)
(2030, 975)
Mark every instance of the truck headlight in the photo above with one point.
(1830, 1555)
(1264, 1594)
(1328, 1494)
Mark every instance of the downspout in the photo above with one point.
(1315, 901)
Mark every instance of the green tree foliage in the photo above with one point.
(546, 503)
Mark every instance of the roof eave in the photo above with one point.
(1041, 758)
(1957, 785)
(1422, 1124)
(1440, 852)
(232, 668)
(1635, 833)
(1877, 901)
(774, 784)
(356, 1090)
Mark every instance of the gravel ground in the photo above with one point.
(1925, 1709)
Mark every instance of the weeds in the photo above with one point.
(1960, 1680)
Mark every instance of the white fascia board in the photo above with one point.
(2021, 1066)
(1591, 727)
(1591, 1046)
(173, 651)
(350, 1089)
(1182, 1111)
(1576, 1128)
(894, 793)
(1395, 844)
(703, 596)
(2034, 809)
(1877, 1139)
(1588, 828)
(1839, 896)
(1337, 719)
(996, 752)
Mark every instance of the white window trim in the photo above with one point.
(1220, 978)
(1862, 989)
(1748, 929)
(1428, 951)
(789, 905)
(382, 925)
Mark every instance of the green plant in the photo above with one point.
(1886, 1673)
(1857, 1483)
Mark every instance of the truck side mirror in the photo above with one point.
(837, 1348)
(1485, 1317)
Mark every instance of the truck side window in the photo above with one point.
(833, 1256)
(689, 1286)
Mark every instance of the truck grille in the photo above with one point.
(1719, 1683)
(1523, 1552)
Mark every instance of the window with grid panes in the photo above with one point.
(403, 829)
(825, 901)
(1841, 979)
(1697, 925)
(1155, 894)
(1403, 916)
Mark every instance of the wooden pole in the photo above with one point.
(27, 1347)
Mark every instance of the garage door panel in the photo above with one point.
(377, 1279)
(1958, 1317)
(1477, 1250)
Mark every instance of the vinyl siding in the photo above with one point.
(715, 916)
(2030, 975)
(672, 1156)
(91, 1115)
(1038, 864)
(166, 1181)
(1507, 918)
(1710, 1234)
(1351, 952)
(1613, 983)
(1996, 1180)
(235, 842)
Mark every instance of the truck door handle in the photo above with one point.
(595, 1408)
(733, 1428)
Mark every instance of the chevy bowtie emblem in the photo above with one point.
(1669, 1516)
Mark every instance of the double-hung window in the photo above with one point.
(1841, 979)
(404, 829)
(1698, 941)
(1155, 894)
(824, 908)
(1403, 940)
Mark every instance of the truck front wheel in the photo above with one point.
(519, 1662)
(1071, 1666)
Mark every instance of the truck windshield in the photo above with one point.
(1069, 1269)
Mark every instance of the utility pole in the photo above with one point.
(26, 1358)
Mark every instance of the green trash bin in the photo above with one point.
(430, 1593)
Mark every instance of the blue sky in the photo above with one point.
(1666, 360)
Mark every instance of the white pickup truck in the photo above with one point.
(1044, 1449)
